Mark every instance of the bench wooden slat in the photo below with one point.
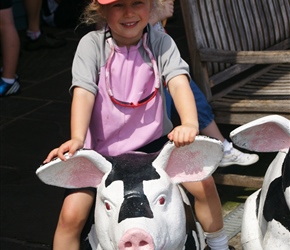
(280, 22)
(264, 93)
(247, 57)
(232, 71)
(253, 40)
(254, 93)
(224, 26)
(256, 25)
(238, 180)
(285, 7)
(243, 117)
(252, 105)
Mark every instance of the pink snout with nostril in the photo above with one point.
(136, 239)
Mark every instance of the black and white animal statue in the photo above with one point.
(139, 204)
(266, 219)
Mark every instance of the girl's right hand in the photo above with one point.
(70, 146)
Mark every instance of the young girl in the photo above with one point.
(119, 105)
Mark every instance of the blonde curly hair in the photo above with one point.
(93, 13)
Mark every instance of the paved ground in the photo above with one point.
(37, 120)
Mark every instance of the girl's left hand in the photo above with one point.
(183, 135)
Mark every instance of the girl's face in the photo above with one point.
(127, 20)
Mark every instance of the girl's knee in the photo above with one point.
(74, 213)
(71, 219)
(209, 185)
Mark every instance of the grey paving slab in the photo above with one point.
(29, 208)
(16, 106)
(36, 66)
(54, 88)
(28, 147)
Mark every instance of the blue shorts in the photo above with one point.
(204, 111)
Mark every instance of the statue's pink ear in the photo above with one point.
(84, 169)
(193, 162)
(267, 134)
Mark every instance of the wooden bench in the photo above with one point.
(239, 56)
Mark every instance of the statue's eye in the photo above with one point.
(108, 207)
(162, 201)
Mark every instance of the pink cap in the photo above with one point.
(106, 1)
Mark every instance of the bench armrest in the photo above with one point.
(245, 57)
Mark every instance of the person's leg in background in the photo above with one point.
(36, 39)
(33, 10)
(10, 46)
